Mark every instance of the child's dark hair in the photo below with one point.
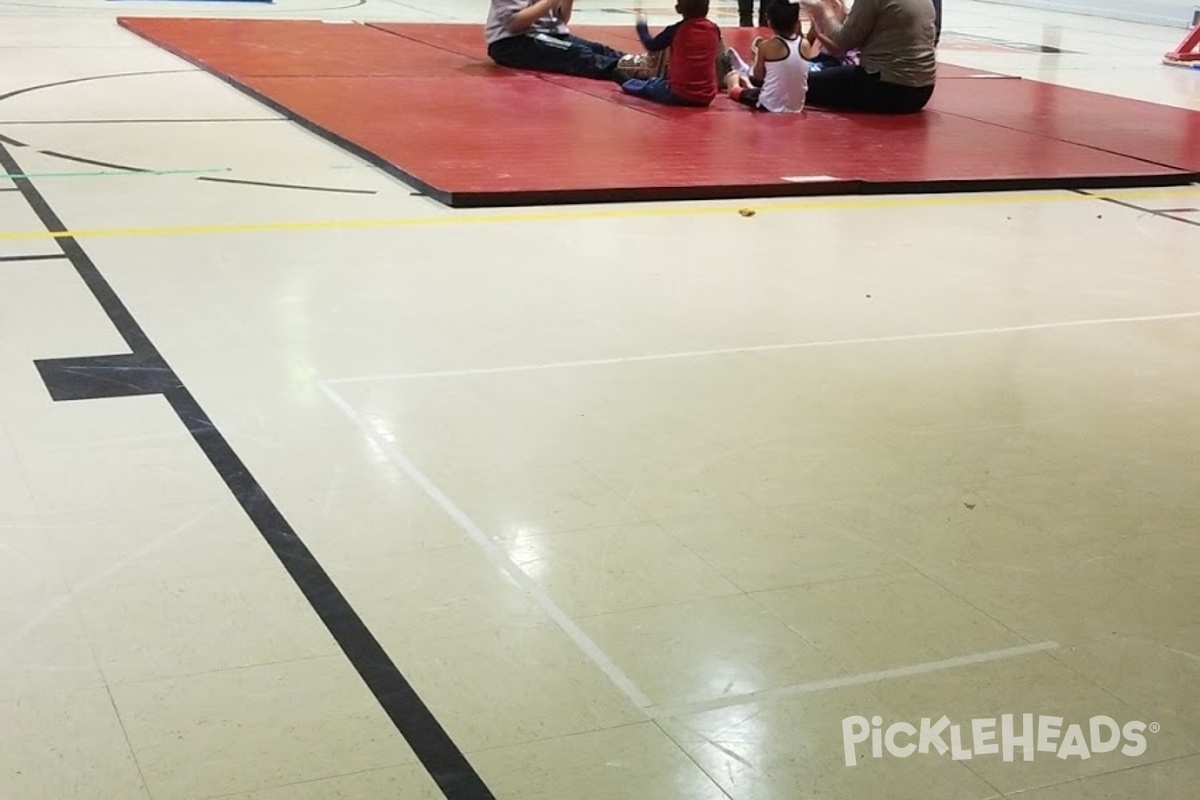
(783, 16)
(692, 9)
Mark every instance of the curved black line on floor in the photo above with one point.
(40, 86)
(125, 168)
(143, 371)
(236, 181)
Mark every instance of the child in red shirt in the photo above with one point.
(691, 74)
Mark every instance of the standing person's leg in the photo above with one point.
(566, 55)
(746, 13)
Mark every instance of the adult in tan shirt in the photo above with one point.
(897, 44)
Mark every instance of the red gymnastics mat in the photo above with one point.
(424, 103)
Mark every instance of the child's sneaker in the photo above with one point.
(738, 63)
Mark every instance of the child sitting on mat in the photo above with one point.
(693, 46)
(533, 35)
(778, 80)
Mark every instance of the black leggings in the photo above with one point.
(851, 88)
(564, 54)
(746, 13)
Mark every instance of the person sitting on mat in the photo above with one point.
(693, 44)
(778, 80)
(897, 67)
(533, 35)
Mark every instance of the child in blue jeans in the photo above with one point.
(692, 45)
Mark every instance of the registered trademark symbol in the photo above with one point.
(1155, 727)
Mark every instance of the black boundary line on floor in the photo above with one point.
(1135, 207)
(91, 161)
(556, 197)
(9, 189)
(40, 257)
(142, 170)
(297, 186)
(144, 371)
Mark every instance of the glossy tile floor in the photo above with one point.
(644, 502)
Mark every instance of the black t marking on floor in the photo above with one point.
(1164, 213)
(144, 371)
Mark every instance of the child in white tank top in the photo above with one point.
(779, 77)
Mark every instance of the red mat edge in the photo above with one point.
(494, 199)
(446, 198)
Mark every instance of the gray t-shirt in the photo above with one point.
(895, 38)
(502, 11)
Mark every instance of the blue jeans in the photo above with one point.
(654, 89)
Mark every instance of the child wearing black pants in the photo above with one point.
(533, 35)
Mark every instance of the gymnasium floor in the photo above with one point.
(642, 501)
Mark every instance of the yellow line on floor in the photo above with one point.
(584, 213)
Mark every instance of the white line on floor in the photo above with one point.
(589, 648)
(663, 712)
(592, 651)
(726, 351)
(56, 604)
